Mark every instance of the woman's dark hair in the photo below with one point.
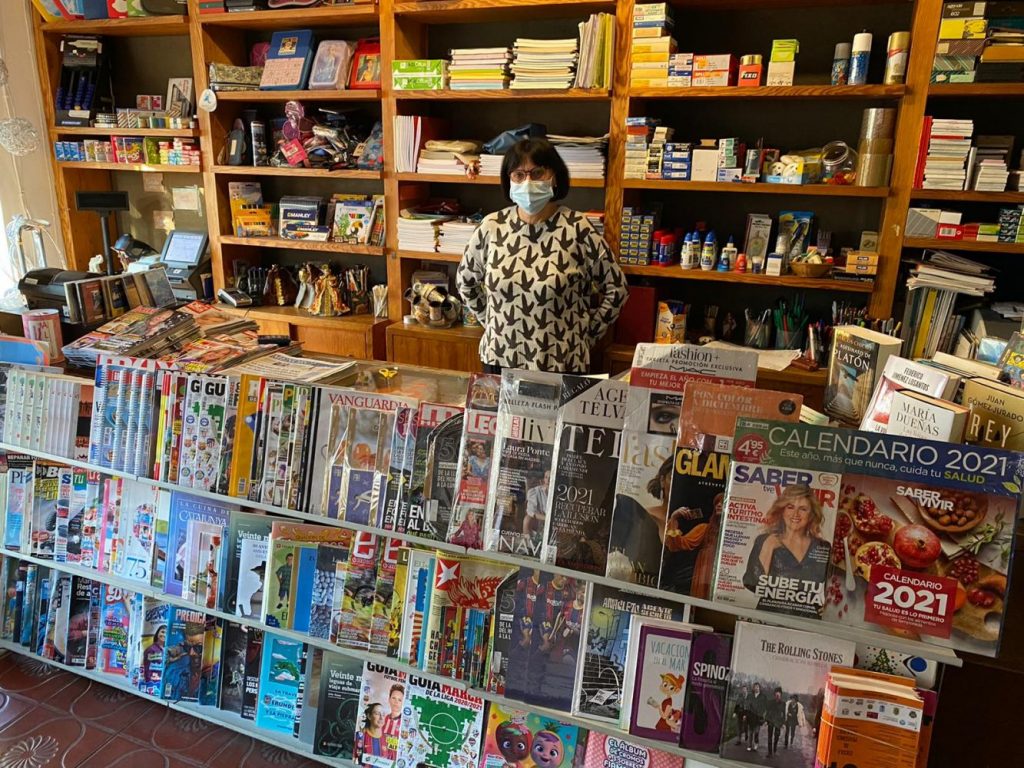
(543, 154)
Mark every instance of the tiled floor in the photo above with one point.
(51, 718)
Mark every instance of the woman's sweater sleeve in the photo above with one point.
(471, 274)
(610, 284)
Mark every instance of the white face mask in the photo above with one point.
(531, 195)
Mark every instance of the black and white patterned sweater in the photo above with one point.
(531, 287)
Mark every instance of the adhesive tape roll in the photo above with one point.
(873, 170)
(878, 123)
(875, 146)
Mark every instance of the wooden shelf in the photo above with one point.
(465, 11)
(980, 90)
(783, 281)
(944, 244)
(353, 94)
(825, 190)
(458, 332)
(270, 170)
(142, 26)
(506, 94)
(139, 167)
(769, 5)
(430, 256)
(303, 245)
(970, 196)
(354, 15)
(59, 130)
(774, 92)
(444, 178)
(301, 317)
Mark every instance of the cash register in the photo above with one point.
(186, 259)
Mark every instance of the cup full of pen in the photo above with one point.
(758, 331)
(790, 320)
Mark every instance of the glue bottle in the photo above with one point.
(728, 258)
(709, 253)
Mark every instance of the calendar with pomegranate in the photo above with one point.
(922, 539)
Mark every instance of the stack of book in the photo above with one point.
(597, 46)
(490, 165)
(639, 132)
(98, 299)
(417, 232)
(455, 236)
(479, 68)
(944, 153)
(653, 45)
(1002, 58)
(412, 133)
(542, 64)
(584, 156)
(450, 158)
(141, 332)
(991, 157)
(929, 321)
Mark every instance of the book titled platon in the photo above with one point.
(919, 526)
(656, 383)
(780, 512)
(772, 666)
(659, 652)
(915, 414)
(996, 419)
(858, 358)
(693, 524)
(338, 715)
(604, 751)
(515, 736)
(610, 612)
(442, 726)
(517, 498)
(706, 687)
(581, 495)
(900, 373)
(471, 487)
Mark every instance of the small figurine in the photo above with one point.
(327, 301)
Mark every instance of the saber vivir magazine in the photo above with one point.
(656, 381)
(920, 540)
(517, 497)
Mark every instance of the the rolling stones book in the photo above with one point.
(610, 612)
(693, 522)
(442, 470)
(476, 453)
(656, 381)
(581, 494)
(772, 666)
(517, 498)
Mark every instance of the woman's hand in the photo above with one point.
(768, 548)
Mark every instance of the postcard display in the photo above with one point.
(687, 479)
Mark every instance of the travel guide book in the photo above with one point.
(656, 381)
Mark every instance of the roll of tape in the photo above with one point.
(875, 146)
(873, 170)
(878, 123)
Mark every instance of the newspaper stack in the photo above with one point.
(284, 366)
(541, 64)
(479, 68)
(140, 332)
(583, 155)
(455, 236)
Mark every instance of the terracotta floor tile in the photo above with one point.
(32, 679)
(120, 752)
(175, 733)
(44, 737)
(13, 707)
(246, 752)
(100, 705)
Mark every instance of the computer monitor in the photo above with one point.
(184, 248)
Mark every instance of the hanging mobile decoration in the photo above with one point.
(17, 135)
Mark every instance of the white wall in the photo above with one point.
(26, 183)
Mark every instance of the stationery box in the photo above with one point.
(963, 29)
(704, 164)
(706, 62)
(864, 258)
(288, 60)
(861, 269)
(418, 83)
(713, 78)
(780, 72)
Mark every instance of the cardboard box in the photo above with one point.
(704, 164)
(862, 257)
(703, 61)
(781, 72)
(719, 78)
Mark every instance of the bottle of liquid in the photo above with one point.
(709, 253)
(728, 258)
(685, 259)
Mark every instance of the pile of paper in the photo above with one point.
(490, 165)
(949, 146)
(597, 45)
(417, 232)
(479, 68)
(455, 236)
(407, 142)
(947, 271)
(540, 64)
(583, 155)
(448, 157)
(990, 157)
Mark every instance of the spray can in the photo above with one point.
(859, 58)
(841, 64)
(896, 58)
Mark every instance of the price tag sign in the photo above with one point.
(916, 601)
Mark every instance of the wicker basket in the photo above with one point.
(803, 269)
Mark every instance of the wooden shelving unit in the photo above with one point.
(353, 15)
(760, 188)
(159, 133)
(429, 256)
(968, 196)
(350, 94)
(143, 26)
(774, 92)
(783, 281)
(302, 245)
(980, 90)
(945, 244)
(312, 173)
(467, 11)
(570, 94)
(137, 167)
(444, 178)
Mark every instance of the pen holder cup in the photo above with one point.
(789, 339)
(757, 335)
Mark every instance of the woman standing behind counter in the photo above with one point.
(530, 270)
